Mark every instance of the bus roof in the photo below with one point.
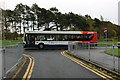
(60, 32)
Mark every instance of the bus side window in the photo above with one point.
(81, 38)
(42, 37)
(26, 37)
(65, 37)
(69, 37)
(37, 38)
(91, 36)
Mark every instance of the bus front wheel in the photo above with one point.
(41, 46)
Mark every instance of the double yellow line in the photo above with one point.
(29, 70)
(30, 67)
(14, 76)
(87, 67)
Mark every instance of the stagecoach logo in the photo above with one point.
(57, 42)
(50, 42)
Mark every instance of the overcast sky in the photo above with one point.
(95, 8)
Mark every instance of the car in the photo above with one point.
(118, 44)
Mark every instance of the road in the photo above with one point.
(51, 64)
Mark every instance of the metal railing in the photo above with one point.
(95, 52)
(11, 56)
(1, 66)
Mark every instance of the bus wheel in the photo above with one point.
(41, 46)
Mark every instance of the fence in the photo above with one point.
(1, 64)
(95, 52)
(11, 56)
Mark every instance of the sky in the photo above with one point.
(95, 8)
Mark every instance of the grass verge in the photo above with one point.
(115, 42)
(9, 42)
(116, 52)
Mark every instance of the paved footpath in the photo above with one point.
(12, 55)
(51, 64)
(98, 56)
(0, 63)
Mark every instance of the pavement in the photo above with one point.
(97, 55)
(11, 57)
(51, 64)
(0, 63)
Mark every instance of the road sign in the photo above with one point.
(105, 30)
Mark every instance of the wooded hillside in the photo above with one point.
(23, 18)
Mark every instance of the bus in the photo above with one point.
(59, 39)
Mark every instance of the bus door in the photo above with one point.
(31, 39)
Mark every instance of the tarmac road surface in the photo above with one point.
(51, 64)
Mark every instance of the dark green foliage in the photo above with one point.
(24, 18)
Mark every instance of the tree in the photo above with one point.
(54, 10)
(37, 13)
(91, 24)
(24, 18)
(87, 17)
(20, 12)
(101, 17)
(6, 23)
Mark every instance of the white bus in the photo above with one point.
(59, 39)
